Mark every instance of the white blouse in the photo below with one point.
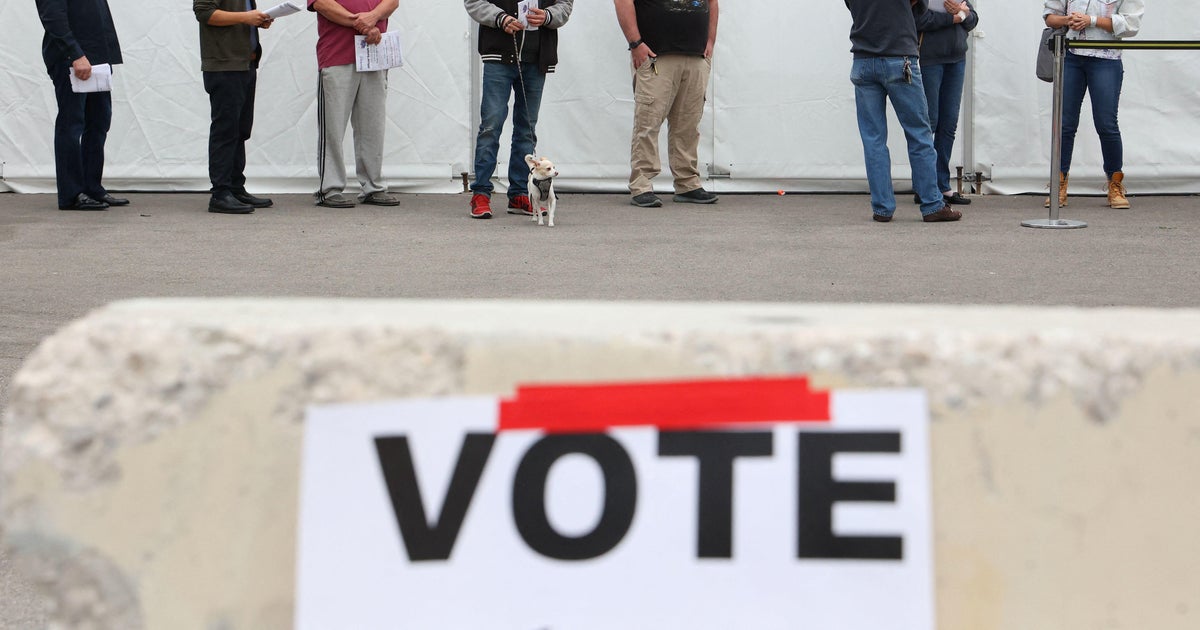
(1126, 16)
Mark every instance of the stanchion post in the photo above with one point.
(1060, 55)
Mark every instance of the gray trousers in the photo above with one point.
(348, 97)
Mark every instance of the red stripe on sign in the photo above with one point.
(677, 405)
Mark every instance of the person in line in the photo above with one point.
(515, 62)
(942, 38)
(346, 96)
(883, 40)
(229, 55)
(670, 47)
(79, 34)
(1098, 72)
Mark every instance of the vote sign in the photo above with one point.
(707, 504)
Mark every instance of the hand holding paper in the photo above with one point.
(370, 57)
(100, 80)
(530, 15)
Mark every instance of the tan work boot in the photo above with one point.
(1116, 191)
(1062, 192)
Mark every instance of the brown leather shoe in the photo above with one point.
(945, 214)
(881, 218)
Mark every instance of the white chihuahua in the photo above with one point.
(541, 187)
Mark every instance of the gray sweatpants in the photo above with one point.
(348, 97)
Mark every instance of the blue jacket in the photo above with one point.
(77, 28)
(943, 41)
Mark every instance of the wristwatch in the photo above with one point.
(634, 44)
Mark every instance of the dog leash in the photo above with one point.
(524, 96)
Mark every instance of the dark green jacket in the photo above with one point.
(225, 48)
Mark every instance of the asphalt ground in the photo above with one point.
(55, 266)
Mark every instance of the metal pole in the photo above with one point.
(1060, 54)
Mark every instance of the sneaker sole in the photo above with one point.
(380, 203)
(324, 204)
(523, 213)
(682, 199)
(486, 215)
(657, 203)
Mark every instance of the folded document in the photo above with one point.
(287, 7)
(100, 81)
(381, 56)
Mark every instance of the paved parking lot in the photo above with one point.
(56, 266)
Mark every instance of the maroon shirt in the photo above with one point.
(335, 43)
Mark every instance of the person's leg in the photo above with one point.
(870, 102)
(1104, 77)
(226, 98)
(908, 101)
(526, 105)
(932, 77)
(652, 98)
(369, 119)
(335, 98)
(1075, 83)
(68, 129)
(248, 84)
(683, 119)
(498, 82)
(945, 128)
(97, 118)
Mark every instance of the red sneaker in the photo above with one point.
(481, 206)
(520, 205)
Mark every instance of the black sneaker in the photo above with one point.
(695, 196)
(646, 200)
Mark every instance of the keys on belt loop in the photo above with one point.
(907, 70)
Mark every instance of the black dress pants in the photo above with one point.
(80, 131)
(231, 95)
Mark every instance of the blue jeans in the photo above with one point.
(499, 81)
(943, 92)
(79, 134)
(1100, 78)
(876, 80)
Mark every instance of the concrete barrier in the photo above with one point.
(151, 451)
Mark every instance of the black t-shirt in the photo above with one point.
(673, 26)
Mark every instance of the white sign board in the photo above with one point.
(698, 505)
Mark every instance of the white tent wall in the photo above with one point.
(780, 116)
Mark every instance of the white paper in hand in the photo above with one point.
(287, 7)
(100, 81)
(523, 13)
(381, 56)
